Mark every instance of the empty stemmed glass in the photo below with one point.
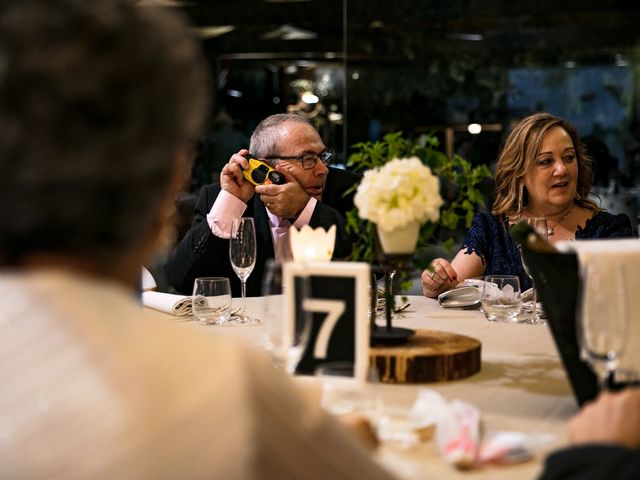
(242, 253)
(539, 225)
(603, 319)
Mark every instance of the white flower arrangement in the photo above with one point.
(400, 192)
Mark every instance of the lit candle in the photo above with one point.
(309, 244)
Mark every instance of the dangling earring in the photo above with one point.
(521, 199)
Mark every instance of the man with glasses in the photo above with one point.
(313, 194)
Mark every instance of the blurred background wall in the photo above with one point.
(359, 69)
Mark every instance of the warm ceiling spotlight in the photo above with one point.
(214, 31)
(289, 32)
(474, 128)
(309, 98)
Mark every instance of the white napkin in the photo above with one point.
(148, 282)
(179, 305)
(480, 285)
(457, 425)
(603, 257)
(461, 439)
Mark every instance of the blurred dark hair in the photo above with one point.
(97, 97)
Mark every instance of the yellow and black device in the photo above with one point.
(259, 173)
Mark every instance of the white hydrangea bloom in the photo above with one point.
(402, 191)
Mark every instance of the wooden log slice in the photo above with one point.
(429, 356)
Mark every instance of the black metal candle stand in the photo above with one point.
(388, 334)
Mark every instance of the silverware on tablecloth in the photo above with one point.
(397, 309)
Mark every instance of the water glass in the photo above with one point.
(212, 300)
(281, 338)
(342, 393)
(501, 298)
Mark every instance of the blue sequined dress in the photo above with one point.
(489, 238)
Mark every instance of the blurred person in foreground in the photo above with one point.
(99, 102)
(314, 195)
(605, 441)
(542, 171)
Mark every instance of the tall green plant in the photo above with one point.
(459, 187)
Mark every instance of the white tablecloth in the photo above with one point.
(520, 387)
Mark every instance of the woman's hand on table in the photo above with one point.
(440, 278)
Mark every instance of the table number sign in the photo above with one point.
(338, 302)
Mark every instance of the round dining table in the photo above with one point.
(521, 387)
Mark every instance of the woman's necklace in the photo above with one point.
(550, 229)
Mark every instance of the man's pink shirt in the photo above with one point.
(227, 207)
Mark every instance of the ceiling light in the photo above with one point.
(214, 30)
(309, 98)
(289, 32)
(234, 93)
(474, 128)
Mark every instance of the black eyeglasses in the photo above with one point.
(308, 160)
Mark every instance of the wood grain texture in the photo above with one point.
(429, 356)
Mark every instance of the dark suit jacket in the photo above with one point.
(202, 254)
(593, 462)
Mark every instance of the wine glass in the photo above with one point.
(603, 319)
(242, 253)
(284, 340)
(539, 225)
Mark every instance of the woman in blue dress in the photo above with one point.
(542, 171)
